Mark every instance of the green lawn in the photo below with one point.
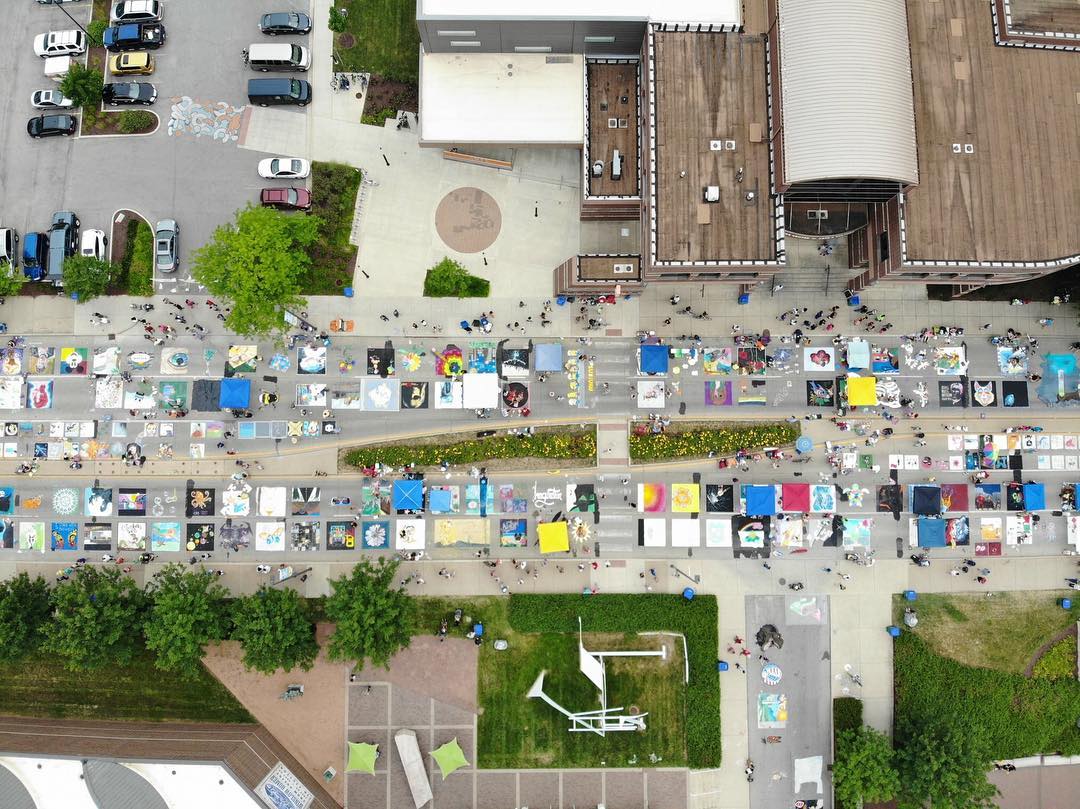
(333, 199)
(518, 732)
(386, 41)
(964, 662)
(39, 686)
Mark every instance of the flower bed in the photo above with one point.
(700, 442)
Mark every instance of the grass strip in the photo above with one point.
(701, 442)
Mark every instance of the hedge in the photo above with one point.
(847, 714)
(696, 620)
(1017, 716)
(556, 445)
(722, 441)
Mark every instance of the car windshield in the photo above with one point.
(293, 196)
(294, 85)
(294, 166)
(275, 166)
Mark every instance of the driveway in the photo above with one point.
(199, 181)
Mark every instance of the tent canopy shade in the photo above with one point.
(449, 757)
(362, 757)
(654, 359)
(235, 394)
(554, 537)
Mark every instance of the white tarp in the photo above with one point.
(480, 390)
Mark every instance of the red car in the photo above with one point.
(288, 199)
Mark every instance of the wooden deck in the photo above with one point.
(613, 98)
(711, 87)
(1059, 16)
(1016, 196)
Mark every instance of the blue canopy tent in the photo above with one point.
(235, 394)
(858, 355)
(408, 495)
(439, 501)
(547, 357)
(931, 532)
(654, 359)
(760, 500)
(925, 499)
(1034, 496)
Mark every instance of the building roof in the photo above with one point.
(1014, 196)
(845, 79)
(502, 98)
(727, 12)
(13, 795)
(115, 786)
(709, 120)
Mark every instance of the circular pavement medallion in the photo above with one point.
(468, 220)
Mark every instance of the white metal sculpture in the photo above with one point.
(591, 665)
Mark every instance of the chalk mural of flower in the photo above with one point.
(65, 501)
(375, 536)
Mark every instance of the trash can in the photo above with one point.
(348, 292)
(910, 595)
(688, 593)
(721, 665)
(744, 299)
(853, 300)
(894, 631)
(1066, 603)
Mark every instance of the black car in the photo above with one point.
(45, 126)
(285, 22)
(129, 92)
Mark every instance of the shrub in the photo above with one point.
(140, 274)
(448, 279)
(675, 443)
(695, 619)
(380, 117)
(847, 714)
(95, 32)
(1059, 661)
(132, 121)
(337, 20)
(559, 445)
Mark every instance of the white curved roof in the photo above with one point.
(845, 76)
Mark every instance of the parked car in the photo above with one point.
(136, 11)
(166, 245)
(63, 241)
(129, 92)
(35, 255)
(285, 22)
(284, 168)
(47, 126)
(9, 251)
(134, 36)
(286, 199)
(133, 63)
(57, 67)
(50, 99)
(60, 43)
(93, 244)
(265, 92)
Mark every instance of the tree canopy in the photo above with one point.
(95, 619)
(863, 771)
(256, 265)
(373, 617)
(83, 84)
(87, 277)
(943, 764)
(275, 629)
(24, 609)
(187, 611)
(449, 279)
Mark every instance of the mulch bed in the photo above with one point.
(383, 93)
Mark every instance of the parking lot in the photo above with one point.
(197, 180)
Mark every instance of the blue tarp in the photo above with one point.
(408, 495)
(1034, 496)
(760, 500)
(439, 501)
(654, 359)
(858, 355)
(931, 533)
(548, 357)
(235, 394)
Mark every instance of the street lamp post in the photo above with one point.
(59, 5)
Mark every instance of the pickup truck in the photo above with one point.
(134, 37)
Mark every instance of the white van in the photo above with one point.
(59, 43)
(278, 57)
(56, 67)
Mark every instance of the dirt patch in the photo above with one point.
(346, 40)
(311, 727)
(383, 93)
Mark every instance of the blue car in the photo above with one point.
(34, 254)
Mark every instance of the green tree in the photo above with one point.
(11, 281)
(864, 772)
(83, 85)
(372, 616)
(448, 279)
(275, 629)
(187, 611)
(337, 20)
(24, 609)
(87, 276)
(944, 765)
(95, 619)
(256, 266)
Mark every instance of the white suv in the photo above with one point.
(136, 11)
(60, 43)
